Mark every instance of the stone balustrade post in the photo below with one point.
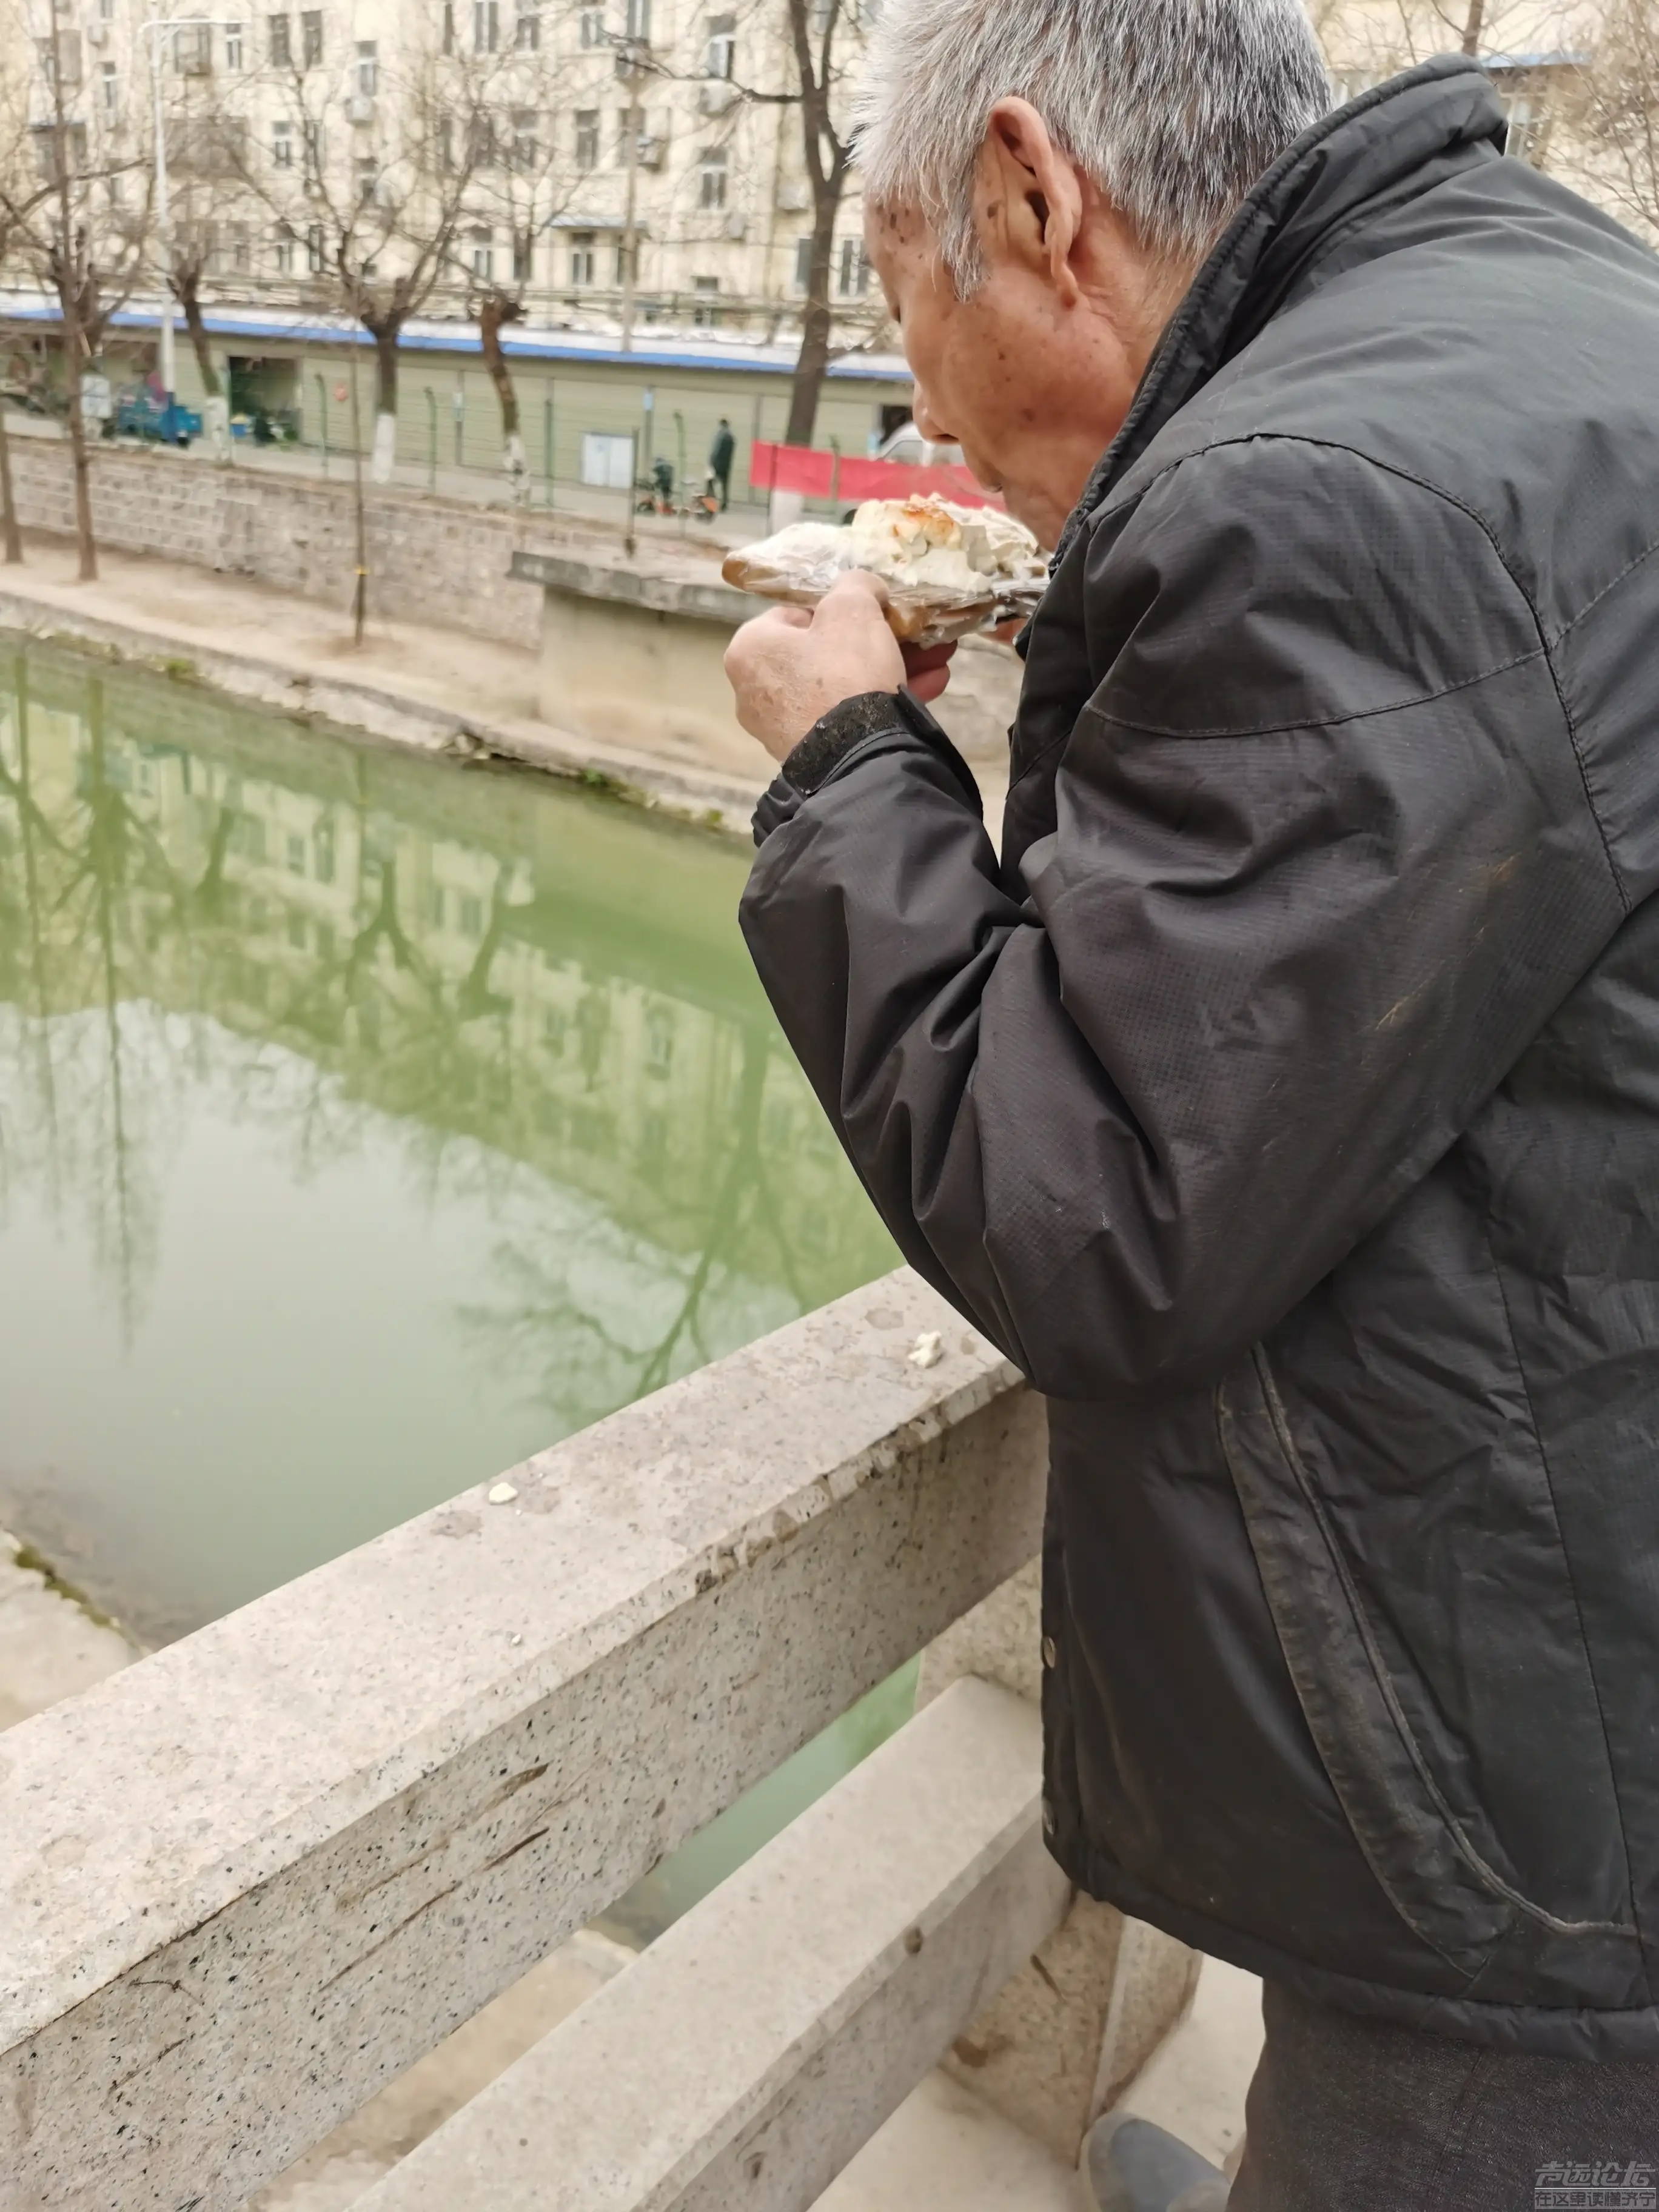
(1065, 2038)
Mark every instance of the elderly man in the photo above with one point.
(1284, 1099)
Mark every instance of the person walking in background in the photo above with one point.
(1284, 1097)
(719, 460)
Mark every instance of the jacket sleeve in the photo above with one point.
(1324, 862)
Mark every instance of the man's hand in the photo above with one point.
(791, 665)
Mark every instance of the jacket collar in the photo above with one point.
(1399, 138)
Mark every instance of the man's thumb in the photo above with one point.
(850, 597)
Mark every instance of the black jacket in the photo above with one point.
(1286, 1101)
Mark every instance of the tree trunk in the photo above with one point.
(70, 275)
(86, 544)
(497, 310)
(813, 359)
(385, 399)
(1472, 23)
(189, 300)
(11, 535)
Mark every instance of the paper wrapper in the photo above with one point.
(800, 564)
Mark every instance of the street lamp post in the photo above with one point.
(152, 30)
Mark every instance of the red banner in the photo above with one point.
(791, 468)
(849, 479)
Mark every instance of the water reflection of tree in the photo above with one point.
(582, 1363)
(75, 874)
(98, 904)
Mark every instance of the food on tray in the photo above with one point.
(948, 569)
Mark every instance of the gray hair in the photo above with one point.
(1174, 107)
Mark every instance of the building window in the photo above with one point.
(721, 56)
(279, 40)
(583, 257)
(629, 119)
(449, 27)
(241, 259)
(285, 244)
(192, 50)
(311, 38)
(587, 137)
(233, 46)
(483, 256)
(486, 26)
(522, 257)
(61, 57)
(368, 69)
(527, 26)
(282, 145)
(853, 280)
(296, 856)
(524, 148)
(107, 11)
(314, 258)
(707, 312)
(803, 264)
(481, 142)
(711, 185)
(312, 145)
(1524, 138)
(639, 20)
(112, 88)
(593, 31)
(446, 144)
(366, 174)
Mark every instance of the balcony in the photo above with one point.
(250, 1880)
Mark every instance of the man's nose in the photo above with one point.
(930, 424)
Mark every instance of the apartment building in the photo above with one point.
(544, 138)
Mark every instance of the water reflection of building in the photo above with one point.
(479, 955)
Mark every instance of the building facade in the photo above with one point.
(538, 138)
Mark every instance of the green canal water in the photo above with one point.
(366, 1124)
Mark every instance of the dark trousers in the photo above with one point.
(723, 478)
(1350, 2115)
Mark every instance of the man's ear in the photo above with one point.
(1031, 196)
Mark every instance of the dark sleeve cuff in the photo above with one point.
(872, 722)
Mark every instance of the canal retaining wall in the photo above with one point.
(430, 559)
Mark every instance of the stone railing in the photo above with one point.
(245, 1882)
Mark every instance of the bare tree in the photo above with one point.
(813, 24)
(1611, 114)
(812, 80)
(522, 187)
(86, 243)
(22, 191)
(374, 188)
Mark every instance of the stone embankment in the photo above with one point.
(430, 560)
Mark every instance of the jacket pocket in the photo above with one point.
(1421, 1854)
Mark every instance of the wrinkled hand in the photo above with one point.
(791, 664)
